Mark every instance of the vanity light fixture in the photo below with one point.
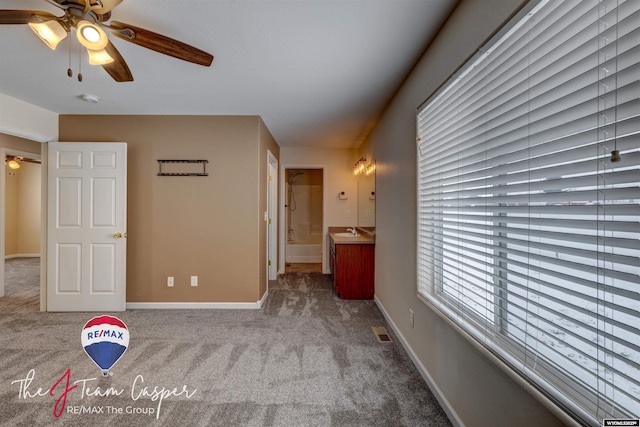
(360, 166)
(371, 168)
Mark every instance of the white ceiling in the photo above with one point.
(319, 72)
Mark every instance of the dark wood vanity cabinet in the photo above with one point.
(352, 268)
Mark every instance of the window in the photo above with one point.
(528, 223)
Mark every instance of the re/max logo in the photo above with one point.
(104, 333)
(621, 422)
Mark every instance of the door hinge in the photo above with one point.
(269, 220)
(269, 263)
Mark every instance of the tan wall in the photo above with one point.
(479, 392)
(210, 227)
(17, 143)
(28, 199)
(22, 200)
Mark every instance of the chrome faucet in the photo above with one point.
(353, 231)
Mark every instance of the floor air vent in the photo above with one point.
(381, 334)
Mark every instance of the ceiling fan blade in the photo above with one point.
(24, 16)
(160, 43)
(118, 69)
(28, 160)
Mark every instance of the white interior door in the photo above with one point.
(86, 227)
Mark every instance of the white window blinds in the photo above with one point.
(528, 232)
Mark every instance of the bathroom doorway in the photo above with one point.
(303, 218)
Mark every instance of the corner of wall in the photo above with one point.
(19, 118)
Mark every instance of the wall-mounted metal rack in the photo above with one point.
(179, 171)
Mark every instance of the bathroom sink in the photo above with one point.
(345, 235)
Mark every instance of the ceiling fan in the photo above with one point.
(13, 161)
(89, 18)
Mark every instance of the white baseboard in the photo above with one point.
(198, 305)
(263, 299)
(446, 406)
(22, 256)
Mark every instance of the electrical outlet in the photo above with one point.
(347, 213)
(194, 280)
(170, 281)
(411, 317)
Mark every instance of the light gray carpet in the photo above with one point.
(305, 359)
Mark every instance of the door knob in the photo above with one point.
(117, 236)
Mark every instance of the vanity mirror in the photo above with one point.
(367, 198)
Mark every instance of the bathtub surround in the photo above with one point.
(307, 358)
(303, 206)
(298, 252)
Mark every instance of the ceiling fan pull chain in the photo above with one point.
(69, 72)
(79, 62)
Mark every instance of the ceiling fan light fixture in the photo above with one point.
(99, 57)
(91, 36)
(50, 32)
(13, 164)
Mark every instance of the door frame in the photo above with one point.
(272, 217)
(4, 151)
(283, 201)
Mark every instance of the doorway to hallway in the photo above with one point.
(20, 213)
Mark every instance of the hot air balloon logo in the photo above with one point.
(105, 339)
